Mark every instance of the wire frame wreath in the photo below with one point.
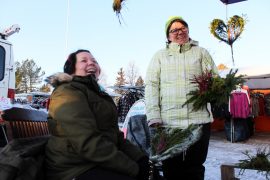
(229, 32)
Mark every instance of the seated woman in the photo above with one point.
(85, 141)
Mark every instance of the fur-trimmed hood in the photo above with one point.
(58, 78)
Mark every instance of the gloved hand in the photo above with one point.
(153, 129)
(144, 168)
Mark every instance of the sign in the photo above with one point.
(5, 103)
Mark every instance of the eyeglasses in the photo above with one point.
(177, 30)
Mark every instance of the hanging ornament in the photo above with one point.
(117, 7)
(231, 1)
(229, 32)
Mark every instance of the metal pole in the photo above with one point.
(3, 129)
(232, 130)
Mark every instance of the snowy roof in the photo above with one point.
(256, 78)
(258, 82)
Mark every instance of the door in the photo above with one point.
(4, 69)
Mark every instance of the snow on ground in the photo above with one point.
(222, 151)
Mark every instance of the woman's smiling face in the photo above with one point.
(86, 64)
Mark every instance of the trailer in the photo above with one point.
(7, 69)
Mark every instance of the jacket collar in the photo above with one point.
(175, 47)
(90, 81)
(57, 79)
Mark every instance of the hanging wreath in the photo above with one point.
(117, 6)
(229, 32)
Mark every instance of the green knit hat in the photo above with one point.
(171, 20)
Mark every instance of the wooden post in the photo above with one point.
(227, 172)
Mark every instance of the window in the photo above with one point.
(2, 63)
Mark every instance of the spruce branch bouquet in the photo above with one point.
(212, 89)
(259, 162)
(170, 142)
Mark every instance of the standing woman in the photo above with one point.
(85, 141)
(168, 82)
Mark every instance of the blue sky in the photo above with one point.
(46, 38)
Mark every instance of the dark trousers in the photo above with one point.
(102, 174)
(189, 166)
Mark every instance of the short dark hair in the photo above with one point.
(69, 66)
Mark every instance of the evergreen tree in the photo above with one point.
(45, 88)
(28, 76)
(120, 79)
(139, 82)
(18, 75)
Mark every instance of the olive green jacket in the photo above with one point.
(84, 131)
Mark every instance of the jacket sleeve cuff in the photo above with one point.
(153, 121)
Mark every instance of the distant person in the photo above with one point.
(168, 80)
(85, 142)
(47, 103)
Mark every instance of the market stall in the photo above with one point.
(259, 90)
